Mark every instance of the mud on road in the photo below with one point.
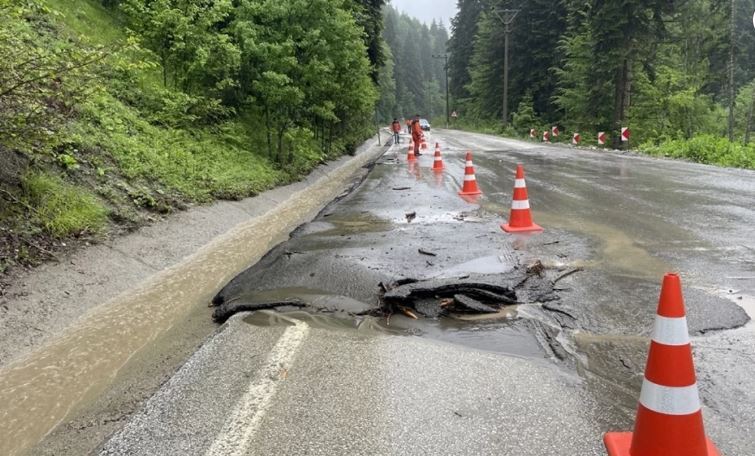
(404, 251)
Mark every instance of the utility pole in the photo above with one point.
(445, 68)
(732, 91)
(507, 17)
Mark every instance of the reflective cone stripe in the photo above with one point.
(520, 219)
(470, 182)
(438, 162)
(669, 417)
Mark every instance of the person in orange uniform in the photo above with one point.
(416, 134)
(396, 129)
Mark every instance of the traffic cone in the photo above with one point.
(470, 182)
(438, 163)
(520, 219)
(410, 153)
(669, 419)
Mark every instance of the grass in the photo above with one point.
(63, 209)
(87, 19)
(200, 165)
(705, 149)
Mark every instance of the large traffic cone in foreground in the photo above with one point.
(410, 153)
(438, 162)
(470, 181)
(520, 219)
(669, 420)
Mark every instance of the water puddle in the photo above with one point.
(38, 392)
(368, 326)
(493, 264)
(356, 223)
(618, 251)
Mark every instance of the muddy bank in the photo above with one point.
(167, 273)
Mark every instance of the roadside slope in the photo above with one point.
(153, 281)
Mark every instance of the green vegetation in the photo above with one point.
(113, 110)
(663, 69)
(706, 149)
(413, 80)
(62, 208)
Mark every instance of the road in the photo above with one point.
(533, 380)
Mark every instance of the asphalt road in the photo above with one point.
(534, 380)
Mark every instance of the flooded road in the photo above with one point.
(622, 221)
(559, 372)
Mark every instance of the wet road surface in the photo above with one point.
(534, 379)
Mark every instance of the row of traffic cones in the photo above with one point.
(669, 418)
(520, 219)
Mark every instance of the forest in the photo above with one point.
(413, 80)
(114, 112)
(680, 74)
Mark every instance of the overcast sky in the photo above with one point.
(427, 10)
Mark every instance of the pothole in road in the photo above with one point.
(482, 311)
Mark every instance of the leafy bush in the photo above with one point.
(63, 209)
(705, 149)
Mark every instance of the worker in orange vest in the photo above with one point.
(396, 129)
(416, 134)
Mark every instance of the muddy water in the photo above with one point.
(39, 391)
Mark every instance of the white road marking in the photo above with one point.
(244, 422)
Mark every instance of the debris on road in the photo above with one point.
(408, 312)
(567, 274)
(426, 252)
(471, 293)
(410, 216)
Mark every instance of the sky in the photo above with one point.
(427, 10)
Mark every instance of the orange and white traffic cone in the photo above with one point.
(438, 162)
(520, 219)
(470, 181)
(410, 153)
(669, 419)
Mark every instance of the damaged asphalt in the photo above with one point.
(404, 255)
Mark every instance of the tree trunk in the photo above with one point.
(281, 132)
(269, 133)
(731, 71)
(621, 100)
(749, 126)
